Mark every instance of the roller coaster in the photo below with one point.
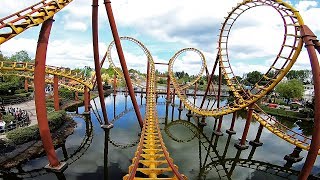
(151, 152)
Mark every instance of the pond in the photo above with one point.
(94, 154)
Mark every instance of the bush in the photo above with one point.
(66, 93)
(23, 135)
(56, 119)
(49, 104)
(7, 118)
(20, 91)
(308, 112)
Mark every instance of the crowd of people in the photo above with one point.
(21, 118)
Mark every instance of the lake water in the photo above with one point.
(94, 154)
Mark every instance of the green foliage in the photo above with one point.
(301, 75)
(308, 112)
(162, 81)
(253, 77)
(290, 89)
(7, 118)
(20, 91)
(8, 88)
(66, 93)
(283, 113)
(23, 135)
(21, 56)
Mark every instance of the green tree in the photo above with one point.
(253, 77)
(21, 56)
(290, 89)
(301, 75)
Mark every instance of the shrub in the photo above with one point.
(66, 93)
(7, 118)
(22, 135)
(50, 104)
(20, 91)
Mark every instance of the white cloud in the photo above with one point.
(305, 5)
(76, 26)
(187, 24)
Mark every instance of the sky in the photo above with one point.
(164, 27)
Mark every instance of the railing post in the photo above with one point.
(56, 93)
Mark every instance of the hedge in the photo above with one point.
(23, 135)
(7, 118)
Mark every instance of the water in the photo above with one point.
(197, 152)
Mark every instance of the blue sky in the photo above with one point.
(164, 27)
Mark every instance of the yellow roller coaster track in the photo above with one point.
(283, 62)
(61, 72)
(151, 151)
(68, 85)
(32, 16)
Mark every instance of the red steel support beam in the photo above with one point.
(40, 96)
(122, 59)
(310, 41)
(56, 93)
(218, 131)
(26, 84)
(242, 144)
(210, 81)
(95, 40)
(230, 130)
(168, 88)
(76, 96)
(86, 100)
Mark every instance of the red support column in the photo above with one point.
(242, 144)
(122, 60)
(56, 93)
(86, 100)
(95, 40)
(310, 40)
(231, 131)
(26, 84)
(168, 89)
(76, 96)
(40, 97)
(257, 142)
(218, 131)
(210, 81)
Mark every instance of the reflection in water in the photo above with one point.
(215, 162)
(93, 153)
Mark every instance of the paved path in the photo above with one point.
(28, 106)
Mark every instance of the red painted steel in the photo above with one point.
(122, 59)
(56, 93)
(247, 126)
(218, 100)
(40, 97)
(310, 40)
(234, 115)
(95, 40)
(210, 81)
(86, 100)
(26, 88)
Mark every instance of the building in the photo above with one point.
(308, 92)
